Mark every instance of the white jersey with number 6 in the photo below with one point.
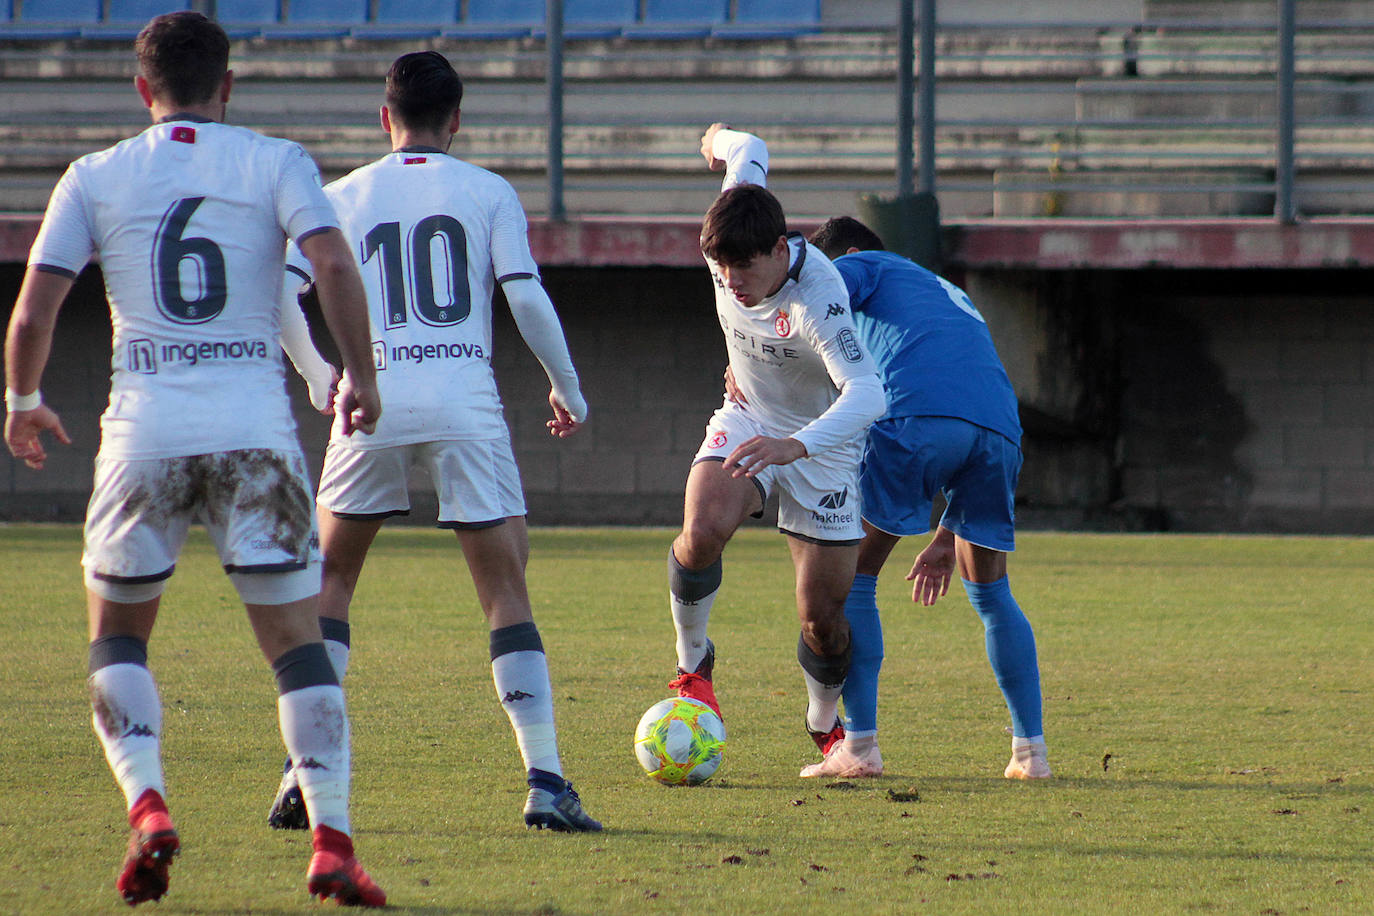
(189, 220)
(433, 236)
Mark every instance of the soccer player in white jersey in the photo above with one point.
(812, 392)
(189, 220)
(434, 235)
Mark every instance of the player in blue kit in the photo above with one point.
(951, 427)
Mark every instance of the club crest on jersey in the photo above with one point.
(782, 324)
(717, 440)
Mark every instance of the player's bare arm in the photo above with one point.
(27, 345)
(933, 569)
(344, 304)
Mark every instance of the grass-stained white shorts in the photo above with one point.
(818, 497)
(476, 481)
(255, 504)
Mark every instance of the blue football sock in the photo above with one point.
(1011, 650)
(866, 637)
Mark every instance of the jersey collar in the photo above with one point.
(182, 116)
(421, 149)
(794, 272)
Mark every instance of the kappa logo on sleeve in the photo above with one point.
(834, 309)
(849, 345)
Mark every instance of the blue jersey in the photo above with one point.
(932, 346)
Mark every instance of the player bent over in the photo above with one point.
(812, 391)
(435, 235)
(951, 427)
(189, 220)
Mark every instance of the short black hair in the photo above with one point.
(183, 56)
(744, 222)
(423, 90)
(840, 233)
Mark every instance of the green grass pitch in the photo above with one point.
(1209, 705)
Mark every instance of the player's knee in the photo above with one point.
(701, 543)
(826, 637)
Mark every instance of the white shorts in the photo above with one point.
(818, 497)
(255, 505)
(476, 481)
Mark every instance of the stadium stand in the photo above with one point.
(763, 19)
(670, 19)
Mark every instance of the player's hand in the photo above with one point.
(707, 139)
(732, 390)
(23, 429)
(761, 452)
(931, 572)
(564, 422)
(357, 407)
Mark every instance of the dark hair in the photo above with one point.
(184, 57)
(423, 90)
(840, 233)
(744, 222)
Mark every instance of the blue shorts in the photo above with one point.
(907, 460)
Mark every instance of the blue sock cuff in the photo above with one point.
(987, 591)
(117, 650)
(306, 665)
(864, 584)
(518, 637)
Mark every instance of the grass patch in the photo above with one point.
(1207, 703)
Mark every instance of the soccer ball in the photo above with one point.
(680, 741)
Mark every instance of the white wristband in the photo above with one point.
(15, 401)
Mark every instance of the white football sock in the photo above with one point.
(523, 687)
(126, 714)
(823, 703)
(314, 725)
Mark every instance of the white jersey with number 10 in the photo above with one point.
(433, 236)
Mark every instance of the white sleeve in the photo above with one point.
(539, 326)
(66, 239)
(295, 340)
(861, 401)
(745, 157)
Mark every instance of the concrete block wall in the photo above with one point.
(1154, 399)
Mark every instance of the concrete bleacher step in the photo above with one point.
(1175, 101)
(1224, 11)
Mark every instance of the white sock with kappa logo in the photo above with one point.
(526, 694)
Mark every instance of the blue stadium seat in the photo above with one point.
(78, 12)
(321, 18)
(50, 20)
(771, 19)
(675, 19)
(398, 19)
(778, 12)
(598, 18)
(127, 12)
(247, 13)
(500, 19)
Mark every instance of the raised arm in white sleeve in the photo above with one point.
(861, 401)
(319, 375)
(543, 333)
(745, 157)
